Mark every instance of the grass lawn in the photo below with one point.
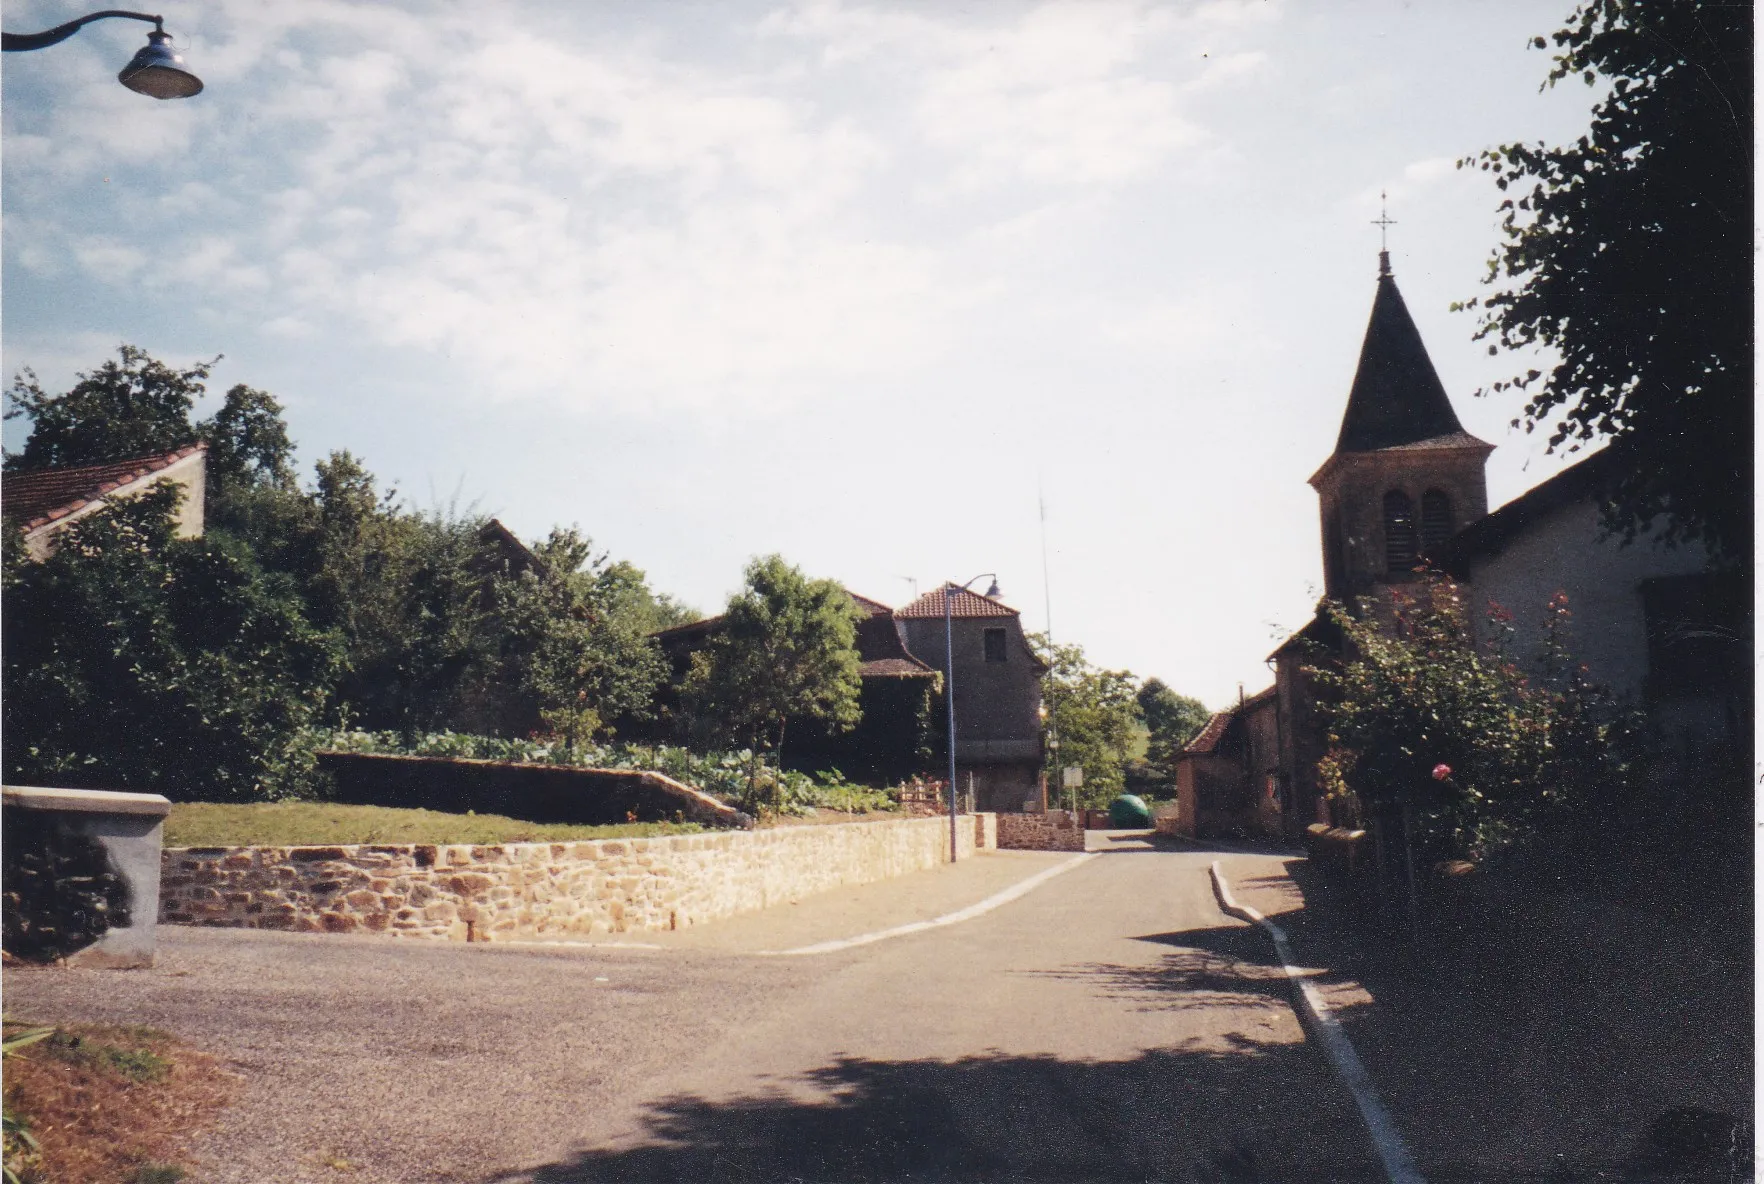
(290, 824)
(108, 1104)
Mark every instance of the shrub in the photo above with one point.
(1524, 743)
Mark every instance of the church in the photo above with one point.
(1663, 626)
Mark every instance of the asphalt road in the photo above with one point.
(1111, 1025)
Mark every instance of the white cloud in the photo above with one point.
(613, 220)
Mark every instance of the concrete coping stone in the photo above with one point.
(85, 801)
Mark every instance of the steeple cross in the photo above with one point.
(1384, 222)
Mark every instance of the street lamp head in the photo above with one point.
(156, 70)
(993, 593)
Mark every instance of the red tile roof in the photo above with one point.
(38, 497)
(963, 603)
(1211, 734)
(873, 608)
(881, 652)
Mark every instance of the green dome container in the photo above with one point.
(1129, 812)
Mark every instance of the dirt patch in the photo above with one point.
(109, 1104)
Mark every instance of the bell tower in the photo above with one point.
(1405, 476)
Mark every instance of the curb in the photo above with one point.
(1320, 1022)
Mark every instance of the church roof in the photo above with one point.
(1397, 399)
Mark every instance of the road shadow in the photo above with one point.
(1257, 1114)
(1202, 969)
(1522, 1029)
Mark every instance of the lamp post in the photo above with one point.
(949, 591)
(156, 70)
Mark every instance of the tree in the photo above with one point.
(1628, 255)
(248, 441)
(787, 650)
(576, 639)
(133, 407)
(1171, 721)
(134, 659)
(1095, 715)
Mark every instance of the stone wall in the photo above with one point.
(535, 890)
(1056, 830)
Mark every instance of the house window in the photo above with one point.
(1399, 533)
(995, 645)
(1436, 520)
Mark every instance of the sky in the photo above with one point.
(906, 292)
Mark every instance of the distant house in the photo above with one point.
(1228, 776)
(45, 502)
(503, 554)
(901, 655)
(997, 692)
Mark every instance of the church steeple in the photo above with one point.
(1404, 475)
(1397, 398)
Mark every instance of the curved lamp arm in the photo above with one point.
(15, 42)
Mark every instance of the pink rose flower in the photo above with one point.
(1441, 772)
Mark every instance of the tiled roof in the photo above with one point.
(1209, 736)
(908, 667)
(874, 608)
(881, 652)
(963, 603)
(1259, 697)
(1207, 740)
(38, 497)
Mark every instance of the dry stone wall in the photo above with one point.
(537, 890)
(1056, 830)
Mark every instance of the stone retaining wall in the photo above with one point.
(1056, 830)
(529, 890)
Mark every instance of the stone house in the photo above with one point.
(45, 502)
(894, 737)
(997, 693)
(1228, 776)
(901, 656)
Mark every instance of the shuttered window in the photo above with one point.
(1399, 533)
(1436, 520)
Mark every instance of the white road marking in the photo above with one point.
(569, 945)
(1021, 888)
(1399, 1165)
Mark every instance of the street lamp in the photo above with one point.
(155, 70)
(949, 591)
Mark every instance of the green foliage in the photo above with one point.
(744, 779)
(288, 824)
(1095, 716)
(1171, 721)
(725, 775)
(787, 649)
(1627, 255)
(1527, 741)
(17, 1144)
(133, 407)
(135, 659)
(575, 639)
(138, 1065)
(248, 443)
